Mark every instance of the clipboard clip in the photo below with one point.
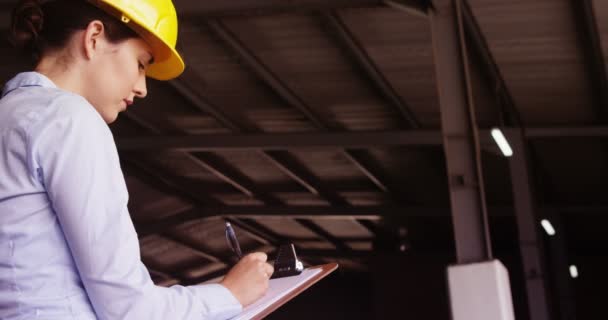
(287, 264)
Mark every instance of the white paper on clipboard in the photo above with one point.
(277, 289)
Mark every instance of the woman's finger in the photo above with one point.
(258, 256)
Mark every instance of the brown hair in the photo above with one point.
(38, 26)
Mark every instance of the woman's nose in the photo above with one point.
(140, 89)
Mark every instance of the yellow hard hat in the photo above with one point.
(156, 22)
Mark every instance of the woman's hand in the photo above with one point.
(248, 279)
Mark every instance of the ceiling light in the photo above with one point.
(548, 227)
(502, 142)
(573, 271)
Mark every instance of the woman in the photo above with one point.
(68, 249)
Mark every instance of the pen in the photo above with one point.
(232, 241)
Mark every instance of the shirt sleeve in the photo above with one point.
(82, 176)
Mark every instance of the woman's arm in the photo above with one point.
(85, 184)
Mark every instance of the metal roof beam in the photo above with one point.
(315, 228)
(358, 53)
(530, 240)
(351, 139)
(200, 160)
(293, 168)
(478, 48)
(494, 82)
(480, 51)
(566, 132)
(282, 160)
(595, 63)
(282, 141)
(263, 72)
(330, 213)
(281, 89)
(245, 184)
(356, 50)
(216, 166)
(232, 176)
(459, 128)
(157, 177)
(366, 164)
(184, 86)
(362, 213)
(235, 213)
(415, 7)
(164, 181)
(369, 225)
(264, 7)
(169, 183)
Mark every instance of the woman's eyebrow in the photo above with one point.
(151, 60)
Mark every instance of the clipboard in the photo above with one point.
(289, 288)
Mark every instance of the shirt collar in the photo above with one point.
(27, 79)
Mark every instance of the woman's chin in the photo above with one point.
(111, 117)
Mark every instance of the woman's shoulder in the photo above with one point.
(31, 107)
(66, 104)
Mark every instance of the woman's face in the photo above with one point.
(117, 75)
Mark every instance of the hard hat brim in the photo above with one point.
(168, 63)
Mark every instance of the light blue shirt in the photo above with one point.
(68, 248)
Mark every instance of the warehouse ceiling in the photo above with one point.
(317, 122)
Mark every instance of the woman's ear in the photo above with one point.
(94, 35)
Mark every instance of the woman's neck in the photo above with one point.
(64, 75)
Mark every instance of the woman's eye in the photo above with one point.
(141, 66)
